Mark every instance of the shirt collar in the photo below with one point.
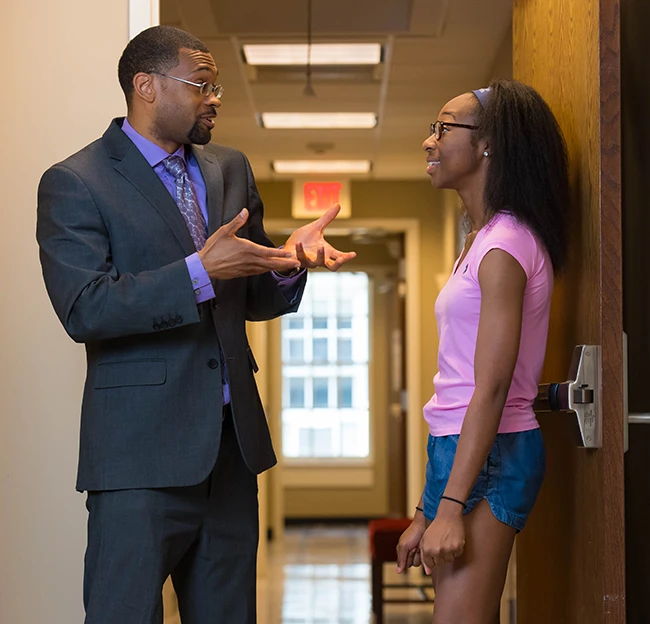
(154, 154)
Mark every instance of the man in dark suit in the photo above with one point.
(154, 255)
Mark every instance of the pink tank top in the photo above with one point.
(457, 313)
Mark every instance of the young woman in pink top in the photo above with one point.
(501, 149)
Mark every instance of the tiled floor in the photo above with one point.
(321, 575)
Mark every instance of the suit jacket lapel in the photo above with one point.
(130, 163)
(213, 177)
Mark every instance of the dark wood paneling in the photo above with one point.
(571, 557)
(637, 525)
(635, 52)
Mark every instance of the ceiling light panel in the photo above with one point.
(321, 166)
(318, 120)
(321, 54)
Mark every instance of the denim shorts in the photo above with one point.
(510, 479)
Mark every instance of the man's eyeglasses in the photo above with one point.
(437, 127)
(205, 88)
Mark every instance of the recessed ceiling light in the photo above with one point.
(321, 54)
(318, 120)
(321, 166)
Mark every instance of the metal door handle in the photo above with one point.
(580, 395)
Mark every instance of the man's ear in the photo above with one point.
(144, 87)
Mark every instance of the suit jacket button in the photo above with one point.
(212, 363)
(165, 324)
(178, 319)
(156, 326)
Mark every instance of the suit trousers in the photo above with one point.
(205, 536)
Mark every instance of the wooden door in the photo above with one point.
(571, 558)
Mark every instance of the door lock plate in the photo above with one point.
(580, 396)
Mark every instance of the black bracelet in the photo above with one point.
(419, 509)
(455, 500)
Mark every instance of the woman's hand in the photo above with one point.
(444, 540)
(408, 548)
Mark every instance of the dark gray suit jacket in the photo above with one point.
(113, 245)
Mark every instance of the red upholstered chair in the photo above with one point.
(384, 535)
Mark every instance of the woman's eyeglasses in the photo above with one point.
(437, 127)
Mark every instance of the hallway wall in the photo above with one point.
(502, 65)
(60, 91)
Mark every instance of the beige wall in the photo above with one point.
(502, 66)
(59, 92)
(436, 214)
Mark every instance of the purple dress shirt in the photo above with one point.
(154, 155)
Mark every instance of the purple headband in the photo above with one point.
(483, 95)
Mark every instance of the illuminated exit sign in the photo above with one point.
(311, 198)
(319, 196)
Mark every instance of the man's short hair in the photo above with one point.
(154, 50)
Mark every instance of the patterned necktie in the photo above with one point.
(186, 200)
(189, 206)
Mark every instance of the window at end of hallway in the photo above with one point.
(325, 348)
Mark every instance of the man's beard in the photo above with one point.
(199, 134)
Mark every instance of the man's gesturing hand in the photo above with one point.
(311, 248)
(226, 256)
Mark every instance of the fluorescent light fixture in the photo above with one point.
(321, 54)
(319, 120)
(321, 166)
